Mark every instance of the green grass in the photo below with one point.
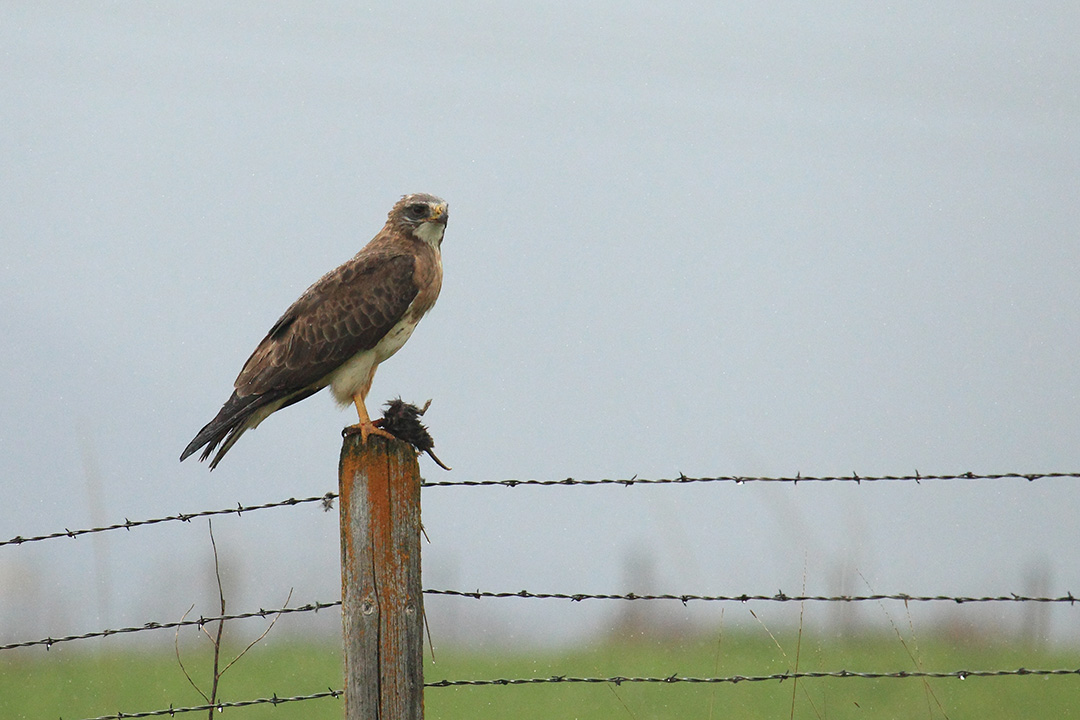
(72, 683)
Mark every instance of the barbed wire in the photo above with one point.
(327, 501)
(1068, 598)
(328, 498)
(743, 479)
(240, 509)
(219, 706)
(196, 622)
(733, 679)
(782, 597)
(619, 680)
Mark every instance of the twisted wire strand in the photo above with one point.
(219, 706)
(195, 622)
(1069, 599)
(618, 680)
(327, 499)
(734, 679)
(240, 509)
(743, 479)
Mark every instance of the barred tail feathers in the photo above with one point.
(236, 416)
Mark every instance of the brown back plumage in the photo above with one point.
(346, 311)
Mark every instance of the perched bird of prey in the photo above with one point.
(341, 328)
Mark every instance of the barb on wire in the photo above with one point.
(779, 597)
(219, 706)
(180, 517)
(740, 479)
(733, 679)
(197, 622)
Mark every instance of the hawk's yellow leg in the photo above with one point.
(365, 427)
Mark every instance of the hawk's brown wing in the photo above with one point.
(348, 310)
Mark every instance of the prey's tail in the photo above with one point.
(237, 415)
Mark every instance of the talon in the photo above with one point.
(366, 430)
(365, 427)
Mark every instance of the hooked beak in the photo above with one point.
(440, 214)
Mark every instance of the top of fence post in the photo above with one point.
(382, 600)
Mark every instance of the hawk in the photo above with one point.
(341, 328)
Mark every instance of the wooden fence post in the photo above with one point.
(382, 600)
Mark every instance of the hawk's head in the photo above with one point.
(422, 216)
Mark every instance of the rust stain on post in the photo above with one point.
(382, 601)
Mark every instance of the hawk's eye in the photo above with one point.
(417, 210)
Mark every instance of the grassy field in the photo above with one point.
(74, 683)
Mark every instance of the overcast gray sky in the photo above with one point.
(706, 238)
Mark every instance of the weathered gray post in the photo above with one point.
(382, 600)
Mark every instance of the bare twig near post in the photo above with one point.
(212, 699)
(382, 600)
